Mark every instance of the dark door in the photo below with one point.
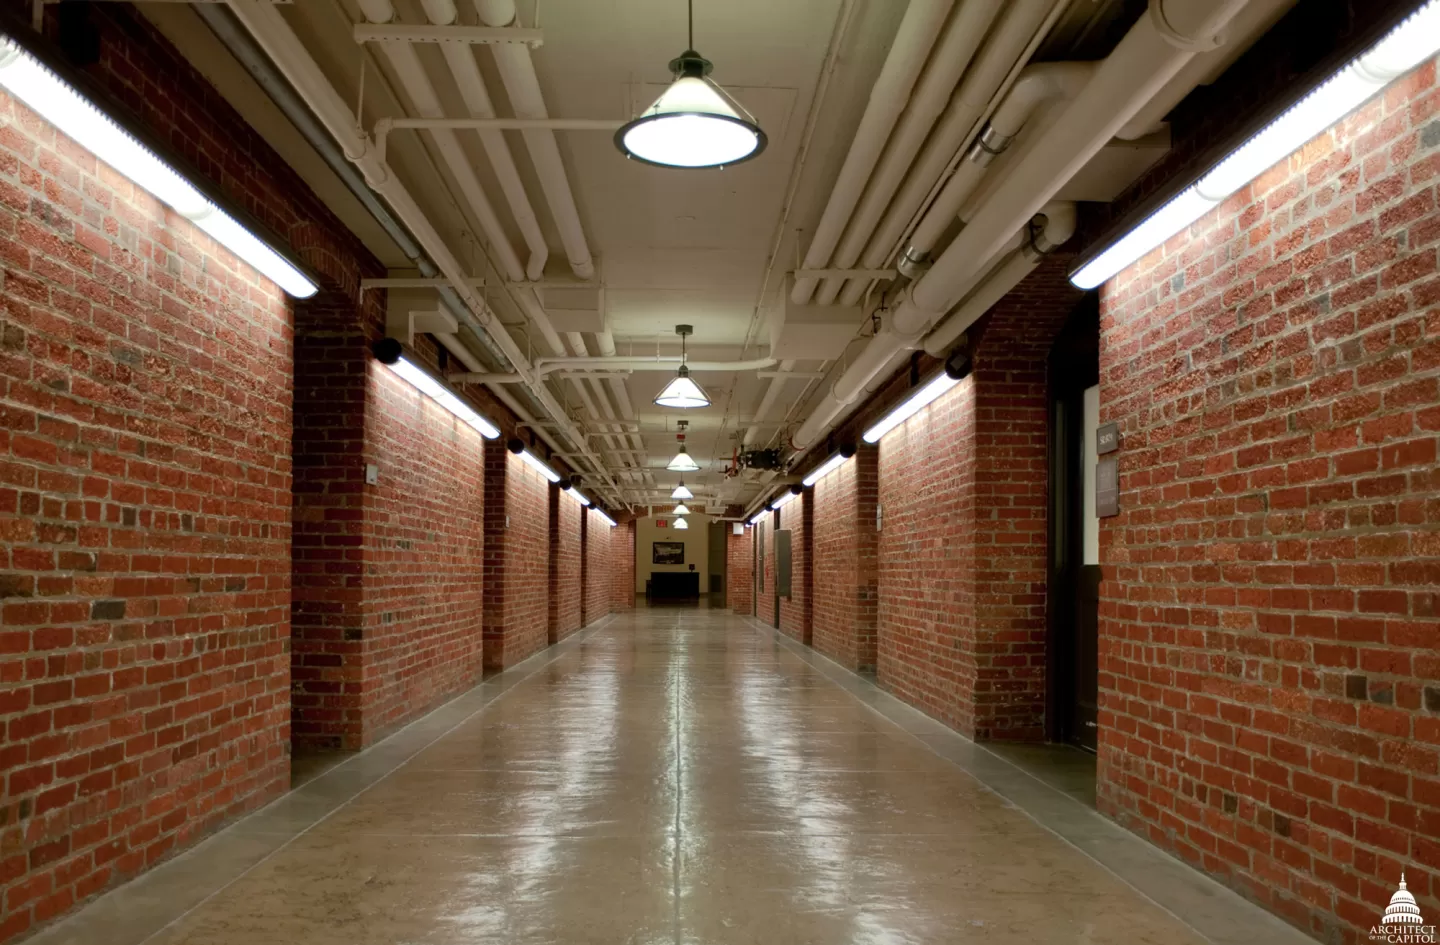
(1074, 609)
(759, 569)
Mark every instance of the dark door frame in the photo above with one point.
(1074, 366)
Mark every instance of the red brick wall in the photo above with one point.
(565, 566)
(740, 571)
(765, 596)
(424, 554)
(925, 620)
(622, 566)
(327, 549)
(145, 399)
(599, 568)
(1010, 515)
(517, 551)
(845, 567)
(795, 609)
(1270, 647)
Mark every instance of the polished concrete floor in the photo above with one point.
(673, 776)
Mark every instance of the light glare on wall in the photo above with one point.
(1416, 39)
(436, 391)
(60, 104)
(918, 401)
(603, 517)
(539, 466)
(785, 499)
(830, 465)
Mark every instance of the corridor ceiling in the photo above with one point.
(709, 248)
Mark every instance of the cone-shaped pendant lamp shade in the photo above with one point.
(681, 509)
(681, 492)
(691, 124)
(680, 523)
(682, 462)
(683, 392)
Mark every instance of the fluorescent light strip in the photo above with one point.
(1416, 39)
(56, 101)
(785, 499)
(607, 519)
(759, 517)
(827, 467)
(575, 494)
(539, 466)
(917, 402)
(430, 387)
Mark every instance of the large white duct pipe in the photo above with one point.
(284, 48)
(963, 32)
(1037, 85)
(918, 30)
(517, 71)
(461, 60)
(1017, 29)
(1165, 38)
(1255, 20)
(767, 401)
(1059, 227)
(887, 350)
(426, 103)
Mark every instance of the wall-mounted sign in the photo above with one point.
(1107, 487)
(662, 523)
(1107, 438)
(737, 528)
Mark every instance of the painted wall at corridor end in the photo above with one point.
(697, 547)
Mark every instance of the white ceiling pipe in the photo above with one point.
(918, 29)
(1019, 27)
(605, 341)
(1256, 19)
(873, 358)
(290, 56)
(1155, 48)
(466, 71)
(551, 365)
(517, 71)
(882, 376)
(426, 103)
(592, 392)
(947, 63)
(455, 346)
(767, 401)
(1059, 227)
(1037, 85)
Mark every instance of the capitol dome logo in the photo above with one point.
(1402, 924)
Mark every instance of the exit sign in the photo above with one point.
(661, 523)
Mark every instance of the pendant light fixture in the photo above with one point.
(681, 492)
(695, 123)
(682, 461)
(683, 393)
(681, 524)
(681, 509)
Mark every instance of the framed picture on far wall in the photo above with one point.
(668, 552)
